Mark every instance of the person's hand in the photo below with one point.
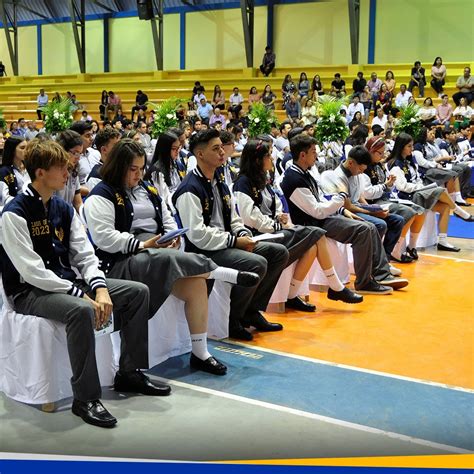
(288, 225)
(102, 310)
(351, 215)
(380, 214)
(245, 243)
(391, 180)
(153, 243)
(283, 218)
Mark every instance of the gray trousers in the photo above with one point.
(268, 260)
(130, 307)
(370, 260)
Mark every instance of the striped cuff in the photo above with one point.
(243, 233)
(343, 194)
(75, 291)
(133, 246)
(97, 282)
(341, 211)
(277, 226)
(231, 241)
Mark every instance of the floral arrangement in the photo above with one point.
(260, 120)
(3, 122)
(408, 121)
(165, 115)
(331, 126)
(58, 116)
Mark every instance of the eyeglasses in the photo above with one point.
(74, 153)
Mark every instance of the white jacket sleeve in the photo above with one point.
(372, 191)
(305, 200)
(100, 217)
(401, 182)
(253, 217)
(422, 161)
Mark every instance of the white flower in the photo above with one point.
(169, 116)
(56, 114)
(269, 120)
(71, 117)
(332, 118)
(413, 120)
(256, 120)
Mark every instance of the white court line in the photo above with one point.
(350, 367)
(313, 416)
(447, 258)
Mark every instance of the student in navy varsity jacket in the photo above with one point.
(308, 206)
(205, 205)
(12, 173)
(125, 217)
(43, 240)
(261, 210)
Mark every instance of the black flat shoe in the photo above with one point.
(466, 219)
(138, 382)
(300, 305)
(247, 279)
(93, 413)
(413, 253)
(463, 204)
(258, 321)
(238, 332)
(346, 295)
(405, 258)
(446, 248)
(210, 365)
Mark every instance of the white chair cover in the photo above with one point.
(339, 254)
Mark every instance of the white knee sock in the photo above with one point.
(399, 247)
(459, 197)
(461, 212)
(199, 346)
(224, 274)
(333, 280)
(413, 240)
(294, 288)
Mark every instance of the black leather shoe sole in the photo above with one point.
(405, 258)
(103, 420)
(444, 248)
(345, 295)
(300, 305)
(210, 365)
(144, 386)
(247, 279)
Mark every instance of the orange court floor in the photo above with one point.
(424, 331)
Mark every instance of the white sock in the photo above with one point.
(224, 274)
(398, 249)
(453, 196)
(333, 280)
(443, 239)
(458, 197)
(294, 288)
(461, 212)
(199, 346)
(413, 240)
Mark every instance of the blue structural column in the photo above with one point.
(39, 41)
(182, 40)
(270, 22)
(372, 21)
(106, 44)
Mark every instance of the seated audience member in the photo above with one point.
(366, 101)
(438, 76)
(14, 131)
(217, 117)
(380, 118)
(104, 100)
(338, 86)
(427, 113)
(145, 138)
(358, 136)
(377, 187)
(384, 99)
(104, 142)
(268, 98)
(141, 100)
(282, 143)
(113, 103)
(117, 125)
(303, 86)
(463, 114)
(235, 103)
(228, 170)
(41, 101)
(13, 173)
(89, 157)
(125, 217)
(198, 88)
(403, 97)
(85, 117)
(354, 106)
(293, 110)
(409, 185)
(377, 131)
(356, 120)
(348, 178)
(444, 111)
(205, 205)
(254, 97)
(390, 82)
(204, 110)
(317, 88)
(43, 240)
(465, 84)
(359, 83)
(308, 111)
(288, 88)
(418, 79)
(465, 144)
(308, 206)
(261, 211)
(71, 192)
(218, 98)
(374, 84)
(198, 95)
(141, 116)
(268, 62)
(32, 130)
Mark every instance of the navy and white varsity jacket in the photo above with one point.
(194, 202)
(94, 177)
(306, 203)
(41, 245)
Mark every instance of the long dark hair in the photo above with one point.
(9, 149)
(436, 59)
(119, 161)
(401, 141)
(216, 91)
(162, 161)
(251, 162)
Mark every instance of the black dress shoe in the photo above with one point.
(238, 332)
(93, 413)
(211, 365)
(138, 382)
(466, 219)
(247, 279)
(258, 321)
(300, 305)
(463, 204)
(404, 258)
(346, 295)
(448, 248)
(413, 253)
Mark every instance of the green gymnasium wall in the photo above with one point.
(304, 34)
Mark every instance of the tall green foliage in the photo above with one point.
(165, 115)
(331, 126)
(58, 115)
(408, 121)
(260, 120)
